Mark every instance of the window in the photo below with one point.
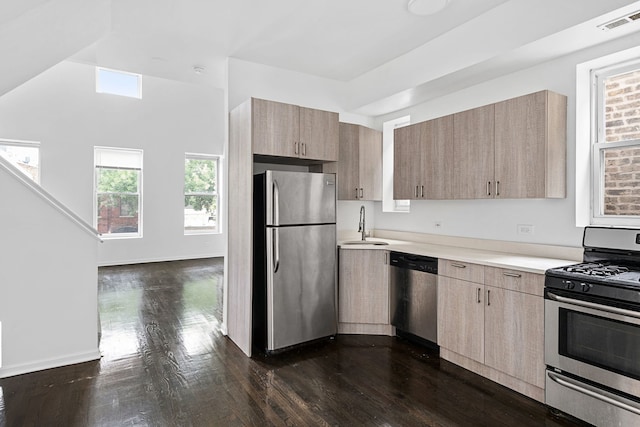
(118, 192)
(24, 155)
(201, 213)
(388, 202)
(118, 83)
(616, 144)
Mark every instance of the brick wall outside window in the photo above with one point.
(622, 165)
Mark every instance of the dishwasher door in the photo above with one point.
(414, 302)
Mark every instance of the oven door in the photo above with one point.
(599, 343)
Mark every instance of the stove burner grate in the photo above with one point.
(596, 269)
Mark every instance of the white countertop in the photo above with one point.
(531, 264)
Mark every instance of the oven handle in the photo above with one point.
(593, 392)
(614, 310)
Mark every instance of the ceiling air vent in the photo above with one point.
(618, 22)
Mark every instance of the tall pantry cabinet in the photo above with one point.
(278, 133)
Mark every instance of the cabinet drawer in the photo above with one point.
(514, 280)
(461, 270)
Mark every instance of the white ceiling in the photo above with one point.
(390, 58)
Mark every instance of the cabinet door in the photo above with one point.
(318, 135)
(363, 288)
(275, 128)
(407, 162)
(514, 334)
(473, 147)
(370, 163)
(461, 317)
(348, 165)
(437, 159)
(520, 143)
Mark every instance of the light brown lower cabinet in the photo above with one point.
(363, 292)
(461, 317)
(514, 340)
(495, 328)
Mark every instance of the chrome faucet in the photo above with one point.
(362, 223)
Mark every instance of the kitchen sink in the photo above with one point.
(364, 242)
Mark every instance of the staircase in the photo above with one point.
(48, 279)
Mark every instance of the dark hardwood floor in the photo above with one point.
(166, 363)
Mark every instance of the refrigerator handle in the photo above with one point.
(276, 250)
(276, 203)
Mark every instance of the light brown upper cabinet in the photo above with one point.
(423, 160)
(509, 150)
(513, 149)
(285, 130)
(473, 148)
(360, 163)
(530, 146)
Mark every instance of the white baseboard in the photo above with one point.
(161, 259)
(41, 365)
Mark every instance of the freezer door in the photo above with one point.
(300, 198)
(301, 284)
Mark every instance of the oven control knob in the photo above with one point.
(585, 287)
(569, 284)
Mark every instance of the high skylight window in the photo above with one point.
(118, 83)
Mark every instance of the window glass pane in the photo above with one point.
(622, 107)
(118, 83)
(117, 180)
(200, 194)
(24, 157)
(200, 213)
(622, 181)
(117, 213)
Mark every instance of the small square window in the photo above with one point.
(118, 83)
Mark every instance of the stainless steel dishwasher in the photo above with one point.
(414, 295)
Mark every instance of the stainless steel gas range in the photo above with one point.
(592, 330)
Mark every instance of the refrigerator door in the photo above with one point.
(301, 284)
(300, 198)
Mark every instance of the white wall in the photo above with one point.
(61, 109)
(48, 284)
(553, 219)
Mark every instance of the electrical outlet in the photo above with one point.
(526, 229)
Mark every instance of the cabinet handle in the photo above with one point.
(488, 188)
(497, 188)
(511, 274)
(295, 148)
(361, 194)
(422, 191)
(356, 192)
(488, 297)
(386, 261)
(456, 265)
(479, 290)
(304, 148)
(416, 191)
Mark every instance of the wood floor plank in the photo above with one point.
(166, 363)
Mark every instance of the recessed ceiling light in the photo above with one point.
(426, 7)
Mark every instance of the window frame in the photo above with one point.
(216, 193)
(26, 144)
(599, 144)
(139, 194)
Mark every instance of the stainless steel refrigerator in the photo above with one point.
(294, 259)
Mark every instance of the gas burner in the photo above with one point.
(596, 269)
